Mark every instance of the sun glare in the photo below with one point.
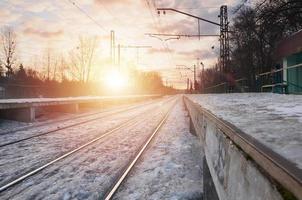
(116, 80)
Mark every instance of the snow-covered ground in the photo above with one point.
(88, 173)
(46, 116)
(19, 158)
(171, 168)
(12, 130)
(273, 119)
(62, 99)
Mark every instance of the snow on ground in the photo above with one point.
(49, 121)
(273, 119)
(62, 99)
(42, 118)
(90, 172)
(6, 125)
(45, 116)
(171, 168)
(21, 157)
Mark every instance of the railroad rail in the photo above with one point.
(132, 163)
(25, 109)
(129, 122)
(281, 170)
(23, 128)
(70, 125)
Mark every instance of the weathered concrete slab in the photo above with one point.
(272, 119)
(25, 109)
(36, 102)
(19, 114)
(234, 162)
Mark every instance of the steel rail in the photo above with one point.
(285, 172)
(73, 125)
(131, 164)
(39, 169)
(68, 119)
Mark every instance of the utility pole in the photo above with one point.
(137, 47)
(184, 67)
(119, 55)
(202, 76)
(224, 37)
(194, 77)
(112, 46)
(48, 64)
(188, 84)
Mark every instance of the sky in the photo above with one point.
(57, 25)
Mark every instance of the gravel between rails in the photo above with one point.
(20, 158)
(88, 173)
(172, 166)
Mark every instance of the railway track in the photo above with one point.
(110, 111)
(129, 122)
(53, 145)
(117, 183)
(103, 115)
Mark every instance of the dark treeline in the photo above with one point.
(254, 37)
(60, 76)
(27, 83)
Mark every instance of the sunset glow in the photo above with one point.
(116, 80)
(54, 27)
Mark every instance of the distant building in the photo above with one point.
(289, 52)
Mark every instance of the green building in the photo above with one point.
(289, 52)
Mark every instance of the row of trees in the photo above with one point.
(76, 66)
(255, 34)
(56, 75)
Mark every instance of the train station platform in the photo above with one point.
(25, 109)
(252, 143)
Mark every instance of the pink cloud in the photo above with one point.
(45, 34)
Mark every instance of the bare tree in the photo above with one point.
(8, 54)
(51, 61)
(256, 31)
(81, 58)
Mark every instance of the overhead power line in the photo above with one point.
(87, 15)
(181, 35)
(96, 22)
(157, 25)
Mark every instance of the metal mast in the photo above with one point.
(224, 40)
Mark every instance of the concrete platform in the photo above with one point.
(252, 143)
(25, 109)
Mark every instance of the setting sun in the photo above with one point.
(115, 79)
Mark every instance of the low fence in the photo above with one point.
(239, 86)
(272, 81)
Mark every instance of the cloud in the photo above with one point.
(112, 2)
(7, 16)
(184, 26)
(45, 34)
(58, 24)
(198, 54)
(160, 50)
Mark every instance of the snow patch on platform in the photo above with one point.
(273, 119)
